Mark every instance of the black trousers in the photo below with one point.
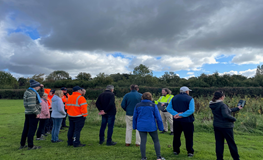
(188, 129)
(75, 126)
(41, 127)
(30, 127)
(220, 135)
(64, 120)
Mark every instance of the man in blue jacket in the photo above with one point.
(182, 108)
(128, 104)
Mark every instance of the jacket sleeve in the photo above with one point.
(44, 108)
(61, 107)
(124, 103)
(135, 116)
(170, 109)
(111, 103)
(32, 103)
(235, 109)
(98, 104)
(158, 118)
(41, 91)
(84, 106)
(191, 109)
(225, 114)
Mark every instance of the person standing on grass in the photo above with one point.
(128, 104)
(43, 117)
(144, 120)
(49, 122)
(223, 125)
(32, 106)
(77, 112)
(182, 107)
(65, 100)
(164, 100)
(107, 109)
(58, 113)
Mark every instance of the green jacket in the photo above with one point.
(31, 103)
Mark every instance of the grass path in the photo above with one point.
(11, 125)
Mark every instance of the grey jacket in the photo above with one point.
(31, 103)
(57, 108)
(222, 114)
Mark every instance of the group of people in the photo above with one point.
(142, 115)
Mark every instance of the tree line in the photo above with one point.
(141, 76)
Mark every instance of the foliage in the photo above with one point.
(83, 76)
(58, 75)
(6, 79)
(142, 71)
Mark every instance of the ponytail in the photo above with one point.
(217, 95)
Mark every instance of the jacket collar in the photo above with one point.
(107, 91)
(146, 100)
(76, 93)
(217, 101)
(133, 90)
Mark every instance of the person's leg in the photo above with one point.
(59, 126)
(111, 120)
(138, 138)
(104, 121)
(64, 120)
(33, 121)
(169, 118)
(71, 130)
(25, 131)
(228, 134)
(79, 124)
(54, 130)
(177, 127)
(156, 142)
(219, 137)
(40, 127)
(165, 125)
(129, 129)
(188, 129)
(44, 122)
(143, 136)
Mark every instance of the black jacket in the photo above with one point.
(222, 114)
(106, 102)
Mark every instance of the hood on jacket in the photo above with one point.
(214, 105)
(55, 98)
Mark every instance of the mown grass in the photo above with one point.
(11, 125)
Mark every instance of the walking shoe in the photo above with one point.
(163, 131)
(144, 158)
(190, 154)
(172, 133)
(160, 158)
(57, 141)
(127, 145)
(137, 145)
(48, 133)
(44, 135)
(22, 147)
(175, 153)
(80, 145)
(34, 147)
(111, 144)
(41, 138)
(101, 142)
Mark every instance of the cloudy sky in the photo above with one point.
(114, 36)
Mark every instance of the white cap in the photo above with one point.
(184, 89)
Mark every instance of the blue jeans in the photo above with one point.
(56, 127)
(110, 119)
(75, 126)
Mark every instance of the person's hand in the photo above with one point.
(41, 85)
(240, 107)
(37, 116)
(177, 115)
(162, 104)
(102, 112)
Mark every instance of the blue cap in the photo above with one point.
(63, 88)
(76, 88)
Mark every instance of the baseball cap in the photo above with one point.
(63, 88)
(76, 88)
(184, 89)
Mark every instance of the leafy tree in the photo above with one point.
(58, 75)
(103, 79)
(6, 78)
(22, 81)
(38, 77)
(83, 76)
(259, 70)
(142, 70)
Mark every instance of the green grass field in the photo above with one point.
(250, 146)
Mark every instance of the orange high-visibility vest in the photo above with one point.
(47, 90)
(77, 105)
(64, 98)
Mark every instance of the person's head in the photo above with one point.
(134, 87)
(83, 92)
(34, 84)
(147, 96)
(185, 89)
(59, 93)
(44, 96)
(64, 89)
(52, 92)
(77, 89)
(110, 88)
(166, 91)
(218, 95)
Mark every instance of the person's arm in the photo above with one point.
(158, 118)
(32, 103)
(111, 103)
(124, 103)
(191, 109)
(234, 109)
(61, 107)
(41, 91)
(44, 108)
(135, 116)
(225, 114)
(98, 104)
(170, 109)
(84, 106)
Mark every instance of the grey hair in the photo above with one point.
(109, 87)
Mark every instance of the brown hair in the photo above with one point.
(147, 96)
(59, 93)
(134, 87)
(168, 91)
(218, 95)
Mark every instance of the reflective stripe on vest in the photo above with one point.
(76, 105)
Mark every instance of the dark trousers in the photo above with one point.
(75, 126)
(156, 142)
(49, 124)
(220, 135)
(41, 127)
(64, 120)
(30, 127)
(188, 129)
(110, 119)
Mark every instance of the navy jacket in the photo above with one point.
(106, 102)
(130, 100)
(145, 116)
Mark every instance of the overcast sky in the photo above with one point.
(188, 37)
